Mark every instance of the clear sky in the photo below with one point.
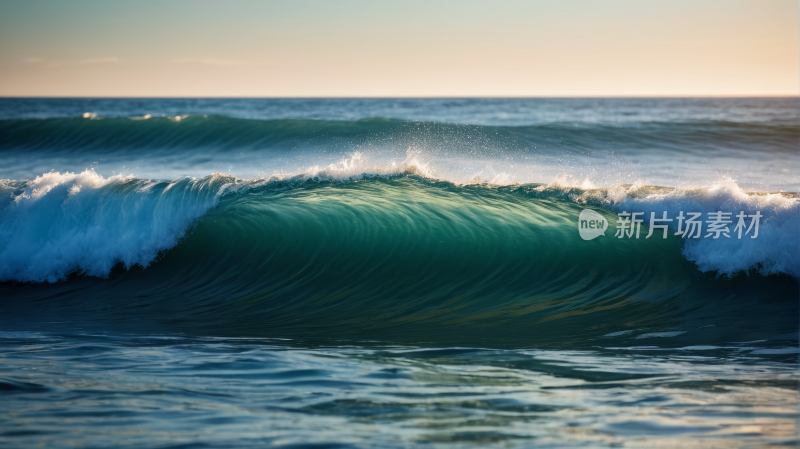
(361, 48)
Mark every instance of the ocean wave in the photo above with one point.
(222, 133)
(388, 251)
(61, 224)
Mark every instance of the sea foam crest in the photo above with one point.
(774, 251)
(60, 224)
(65, 223)
(357, 165)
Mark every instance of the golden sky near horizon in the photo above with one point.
(399, 49)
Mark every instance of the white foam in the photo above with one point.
(66, 223)
(357, 165)
(775, 250)
(82, 222)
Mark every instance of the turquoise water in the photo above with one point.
(394, 273)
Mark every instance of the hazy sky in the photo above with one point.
(360, 48)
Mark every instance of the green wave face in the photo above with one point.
(408, 259)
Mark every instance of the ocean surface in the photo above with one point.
(393, 273)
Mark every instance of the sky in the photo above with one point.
(410, 48)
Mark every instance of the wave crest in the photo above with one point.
(59, 224)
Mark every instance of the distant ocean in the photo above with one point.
(397, 272)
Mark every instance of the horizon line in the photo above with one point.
(289, 97)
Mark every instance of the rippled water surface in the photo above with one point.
(106, 390)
